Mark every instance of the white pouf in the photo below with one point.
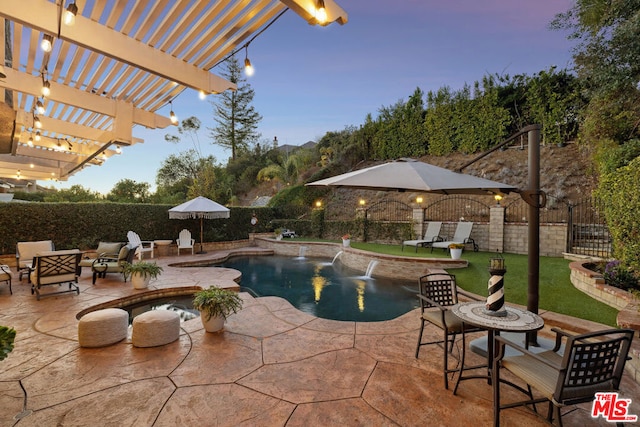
(155, 327)
(103, 327)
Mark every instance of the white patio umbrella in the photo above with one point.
(202, 208)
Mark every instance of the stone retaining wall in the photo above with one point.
(403, 268)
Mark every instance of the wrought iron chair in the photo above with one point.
(571, 373)
(438, 292)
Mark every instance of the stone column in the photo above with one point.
(496, 229)
(418, 222)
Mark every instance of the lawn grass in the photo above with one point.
(556, 292)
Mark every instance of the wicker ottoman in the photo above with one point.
(103, 327)
(155, 327)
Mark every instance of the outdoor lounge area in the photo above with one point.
(272, 366)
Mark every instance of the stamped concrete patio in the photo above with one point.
(272, 366)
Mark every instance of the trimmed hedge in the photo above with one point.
(83, 225)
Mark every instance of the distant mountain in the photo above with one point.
(287, 148)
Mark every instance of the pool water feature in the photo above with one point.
(324, 288)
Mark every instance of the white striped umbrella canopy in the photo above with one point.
(200, 207)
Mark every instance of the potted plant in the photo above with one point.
(346, 240)
(215, 304)
(141, 273)
(456, 250)
(7, 337)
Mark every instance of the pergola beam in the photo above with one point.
(113, 44)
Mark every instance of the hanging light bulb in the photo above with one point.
(321, 13)
(70, 14)
(30, 141)
(172, 115)
(59, 147)
(18, 174)
(118, 149)
(37, 122)
(248, 68)
(47, 42)
(46, 88)
(39, 107)
(38, 138)
(202, 95)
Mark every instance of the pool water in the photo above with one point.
(326, 290)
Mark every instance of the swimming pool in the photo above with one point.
(325, 289)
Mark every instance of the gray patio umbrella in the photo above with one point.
(413, 175)
(202, 208)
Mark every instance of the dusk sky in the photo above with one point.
(310, 80)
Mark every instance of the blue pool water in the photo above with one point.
(326, 290)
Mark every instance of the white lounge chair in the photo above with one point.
(185, 241)
(431, 234)
(461, 235)
(142, 246)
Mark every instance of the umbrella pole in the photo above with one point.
(201, 238)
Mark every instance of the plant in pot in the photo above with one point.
(456, 250)
(346, 240)
(141, 273)
(215, 304)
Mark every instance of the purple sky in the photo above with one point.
(309, 80)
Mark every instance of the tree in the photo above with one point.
(75, 193)
(188, 174)
(129, 191)
(189, 127)
(607, 59)
(236, 118)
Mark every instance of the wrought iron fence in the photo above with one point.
(389, 211)
(457, 208)
(556, 211)
(589, 234)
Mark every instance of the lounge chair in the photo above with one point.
(460, 236)
(25, 251)
(55, 268)
(431, 234)
(142, 246)
(104, 250)
(185, 241)
(103, 265)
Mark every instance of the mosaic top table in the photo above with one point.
(515, 320)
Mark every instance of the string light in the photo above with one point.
(37, 123)
(30, 141)
(172, 115)
(40, 107)
(38, 136)
(118, 149)
(321, 13)
(47, 42)
(248, 68)
(46, 87)
(70, 14)
(202, 95)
